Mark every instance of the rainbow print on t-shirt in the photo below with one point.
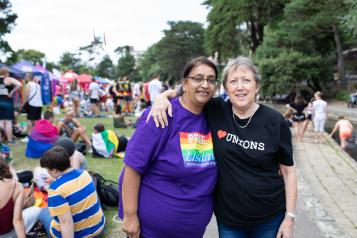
(197, 149)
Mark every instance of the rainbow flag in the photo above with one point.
(197, 149)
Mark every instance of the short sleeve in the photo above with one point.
(285, 151)
(57, 204)
(142, 147)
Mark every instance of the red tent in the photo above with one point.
(84, 78)
(69, 76)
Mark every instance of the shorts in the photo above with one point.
(7, 110)
(123, 142)
(94, 100)
(319, 124)
(34, 113)
(345, 134)
(299, 117)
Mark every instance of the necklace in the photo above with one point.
(234, 119)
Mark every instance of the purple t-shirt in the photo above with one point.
(178, 174)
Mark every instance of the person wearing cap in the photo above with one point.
(78, 161)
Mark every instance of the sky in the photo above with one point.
(57, 26)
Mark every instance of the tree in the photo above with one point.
(69, 61)
(33, 56)
(7, 22)
(105, 68)
(313, 39)
(148, 65)
(181, 42)
(291, 68)
(126, 62)
(237, 26)
(350, 18)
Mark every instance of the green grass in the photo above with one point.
(109, 168)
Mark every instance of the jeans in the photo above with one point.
(45, 218)
(268, 229)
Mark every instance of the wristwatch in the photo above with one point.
(291, 215)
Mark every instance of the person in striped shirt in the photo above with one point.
(73, 205)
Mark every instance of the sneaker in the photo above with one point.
(25, 140)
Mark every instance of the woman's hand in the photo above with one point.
(131, 226)
(158, 111)
(286, 228)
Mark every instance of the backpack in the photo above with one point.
(107, 190)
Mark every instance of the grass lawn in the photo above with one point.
(109, 168)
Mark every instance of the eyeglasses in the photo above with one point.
(199, 79)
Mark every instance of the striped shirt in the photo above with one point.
(75, 192)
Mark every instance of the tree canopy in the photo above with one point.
(7, 22)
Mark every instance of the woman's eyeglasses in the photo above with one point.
(199, 79)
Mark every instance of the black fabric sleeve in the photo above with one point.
(213, 105)
(285, 152)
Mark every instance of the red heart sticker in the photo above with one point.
(221, 134)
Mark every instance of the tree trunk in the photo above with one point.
(340, 60)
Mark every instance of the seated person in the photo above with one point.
(42, 137)
(78, 161)
(11, 202)
(106, 143)
(72, 128)
(73, 205)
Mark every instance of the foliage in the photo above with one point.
(126, 64)
(70, 61)
(283, 73)
(33, 56)
(342, 95)
(105, 68)
(7, 22)
(236, 26)
(181, 42)
(309, 39)
(350, 18)
(148, 64)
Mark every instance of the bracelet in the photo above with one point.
(291, 215)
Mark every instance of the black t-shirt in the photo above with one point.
(299, 108)
(250, 189)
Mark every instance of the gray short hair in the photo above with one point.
(241, 61)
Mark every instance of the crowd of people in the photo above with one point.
(191, 155)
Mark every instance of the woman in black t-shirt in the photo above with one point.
(255, 195)
(299, 118)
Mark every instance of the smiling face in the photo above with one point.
(197, 94)
(242, 88)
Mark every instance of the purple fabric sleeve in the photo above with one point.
(143, 145)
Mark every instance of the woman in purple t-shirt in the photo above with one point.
(170, 173)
